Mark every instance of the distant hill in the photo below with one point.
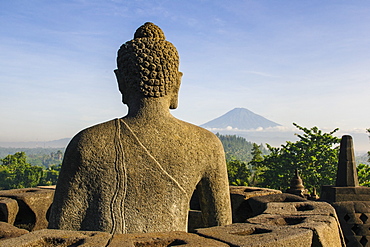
(238, 147)
(61, 143)
(240, 118)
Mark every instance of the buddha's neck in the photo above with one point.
(149, 108)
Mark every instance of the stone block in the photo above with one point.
(9, 231)
(162, 239)
(300, 208)
(244, 234)
(60, 238)
(34, 204)
(8, 210)
(195, 220)
(339, 194)
(239, 194)
(247, 192)
(326, 231)
(259, 204)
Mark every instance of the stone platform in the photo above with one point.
(262, 217)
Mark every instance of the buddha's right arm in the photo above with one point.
(214, 194)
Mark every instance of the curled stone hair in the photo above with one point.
(148, 63)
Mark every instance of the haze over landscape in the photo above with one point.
(298, 61)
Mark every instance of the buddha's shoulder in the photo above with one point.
(199, 133)
(98, 133)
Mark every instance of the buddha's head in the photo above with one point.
(148, 66)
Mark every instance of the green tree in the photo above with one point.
(315, 154)
(50, 175)
(363, 171)
(255, 169)
(237, 147)
(238, 172)
(15, 172)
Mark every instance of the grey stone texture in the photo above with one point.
(239, 205)
(33, 204)
(240, 194)
(60, 238)
(244, 234)
(137, 174)
(163, 239)
(300, 208)
(63, 238)
(8, 231)
(281, 223)
(341, 194)
(8, 210)
(257, 205)
(299, 223)
(320, 217)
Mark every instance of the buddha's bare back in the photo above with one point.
(151, 176)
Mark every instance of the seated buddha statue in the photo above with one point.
(136, 174)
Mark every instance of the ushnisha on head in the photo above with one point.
(148, 66)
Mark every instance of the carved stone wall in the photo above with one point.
(354, 218)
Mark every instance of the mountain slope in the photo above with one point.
(240, 118)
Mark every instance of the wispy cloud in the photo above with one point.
(260, 74)
(259, 129)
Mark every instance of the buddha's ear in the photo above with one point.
(119, 79)
(175, 92)
(121, 86)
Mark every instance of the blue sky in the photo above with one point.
(289, 61)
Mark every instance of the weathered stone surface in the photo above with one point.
(300, 208)
(247, 192)
(137, 174)
(60, 238)
(240, 209)
(320, 217)
(244, 234)
(8, 209)
(50, 187)
(258, 205)
(9, 231)
(33, 206)
(239, 194)
(340, 194)
(326, 231)
(325, 228)
(280, 224)
(162, 239)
